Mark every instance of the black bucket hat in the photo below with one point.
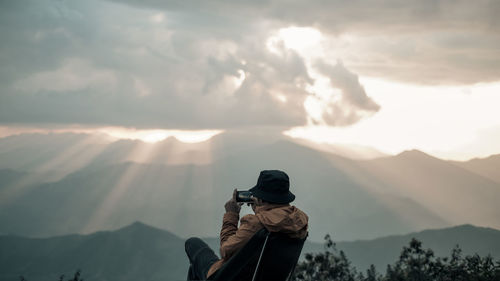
(273, 186)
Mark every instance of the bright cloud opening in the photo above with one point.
(153, 136)
(110, 134)
(303, 40)
(239, 80)
(158, 18)
(314, 109)
(449, 122)
(300, 38)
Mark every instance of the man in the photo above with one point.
(271, 198)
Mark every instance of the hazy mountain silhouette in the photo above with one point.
(48, 152)
(135, 252)
(386, 250)
(349, 151)
(354, 199)
(488, 167)
(456, 194)
(142, 252)
(191, 197)
(8, 176)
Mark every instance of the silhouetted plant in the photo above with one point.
(76, 277)
(329, 265)
(371, 274)
(414, 264)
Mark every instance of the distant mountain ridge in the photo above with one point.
(135, 252)
(488, 167)
(141, 252)
(385, 250)
(106, 189)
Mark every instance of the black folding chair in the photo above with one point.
(266, 256)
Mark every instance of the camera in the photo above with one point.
(244, 196)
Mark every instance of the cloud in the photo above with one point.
(349, 103)
(341, 15)
(353, 92)
(197, 65)
(415, 41)
(73, 75)
(102, 63)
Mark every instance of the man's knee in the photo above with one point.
(192, 244)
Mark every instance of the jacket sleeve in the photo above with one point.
(233, 238)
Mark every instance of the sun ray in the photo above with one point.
(107, 207)
(374, 186)
(76, 156)
(435, 196)
(158, 135)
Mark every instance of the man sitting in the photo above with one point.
(271, 198)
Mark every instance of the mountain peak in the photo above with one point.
(170, 140)
(140, 230)
(492, 157)
(471, 227)
(414, 153)
(137, 226)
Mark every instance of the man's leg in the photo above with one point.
(201, 257)
(191, 275)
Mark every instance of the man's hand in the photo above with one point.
(232, 206)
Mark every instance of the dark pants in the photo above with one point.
(201, 257)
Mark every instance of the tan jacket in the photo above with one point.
(275, 218)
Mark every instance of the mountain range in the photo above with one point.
(142, 252)
(55, 184)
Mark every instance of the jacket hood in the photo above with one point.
(283, 218)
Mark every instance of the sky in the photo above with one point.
(390, 74)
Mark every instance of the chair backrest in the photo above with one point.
(268, 256)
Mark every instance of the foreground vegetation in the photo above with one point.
(76, 277)
(415, 264)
